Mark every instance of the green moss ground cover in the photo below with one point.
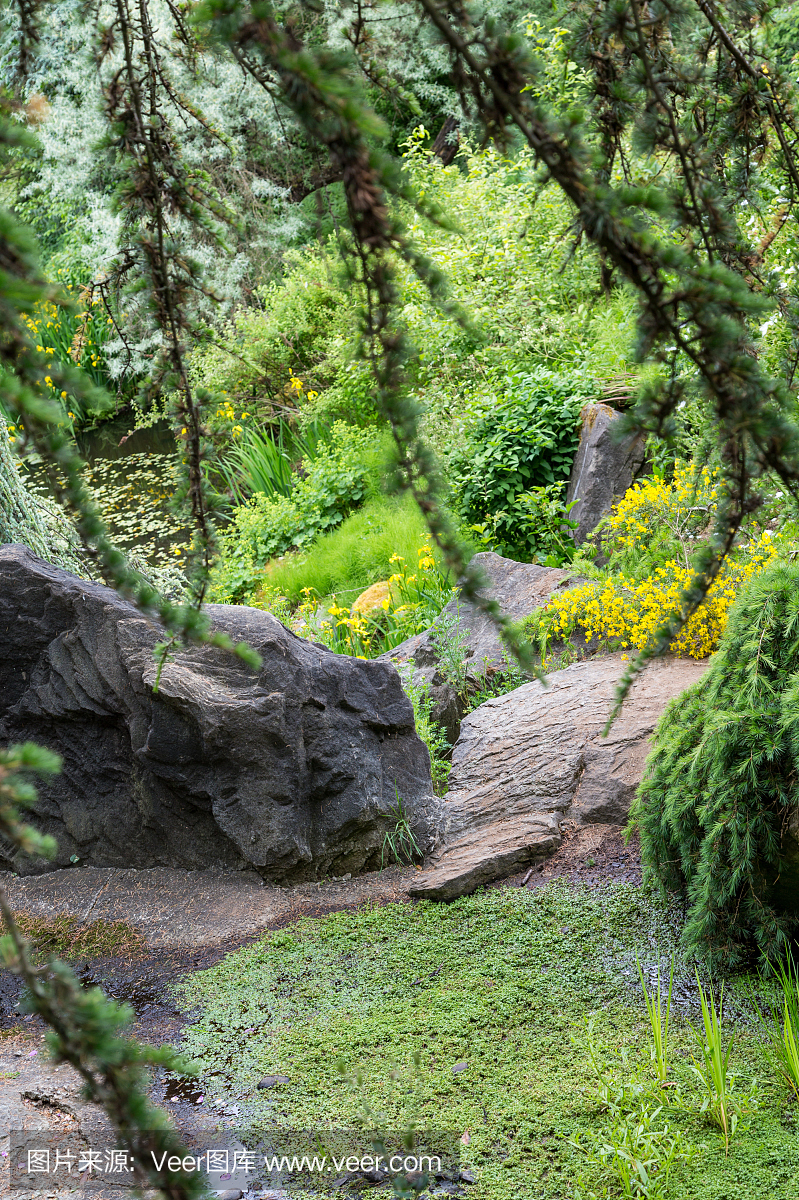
(369, 1011)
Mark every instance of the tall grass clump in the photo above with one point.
(781, 1027)
(356, 554)
(658, 1012)
(713, 1067)
(265, 461)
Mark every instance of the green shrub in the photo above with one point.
(540, 521)
(524, 441)
(531, 294)
(720, 786)
(299, 343)
(331, 484)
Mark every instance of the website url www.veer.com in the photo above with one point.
(412, 1164)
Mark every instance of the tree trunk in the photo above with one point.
(447, 142)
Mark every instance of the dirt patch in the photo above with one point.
(590, 855)
(175, 909)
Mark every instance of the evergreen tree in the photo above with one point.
(716, 806)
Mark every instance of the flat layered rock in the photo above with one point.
(526, 760)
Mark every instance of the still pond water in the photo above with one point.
(132, 476)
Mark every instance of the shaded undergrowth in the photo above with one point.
(67, 937)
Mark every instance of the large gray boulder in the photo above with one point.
(519, 588)
(604, 467)
(291, 770)
(527, 760)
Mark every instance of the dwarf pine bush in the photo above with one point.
(720, 787)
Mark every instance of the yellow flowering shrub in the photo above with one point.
(655, 519)
(629, 614)
(73, 336)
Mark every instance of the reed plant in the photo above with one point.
(713, 1067)
(782, 1025)
(658, 1020)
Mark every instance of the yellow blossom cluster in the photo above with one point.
(681, 509)
(226, 412)
(654, 530)
(68, 337)
(295, 388)
(411, 603)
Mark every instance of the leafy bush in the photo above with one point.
(720, 785)
(524, 441)
(299, 342)
(650, 538)
(541, 517)
(530, 294)
(328, 487)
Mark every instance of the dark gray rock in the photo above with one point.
(291, 770)
(519, 588)
(604, 467)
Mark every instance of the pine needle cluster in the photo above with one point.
(717, 807)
